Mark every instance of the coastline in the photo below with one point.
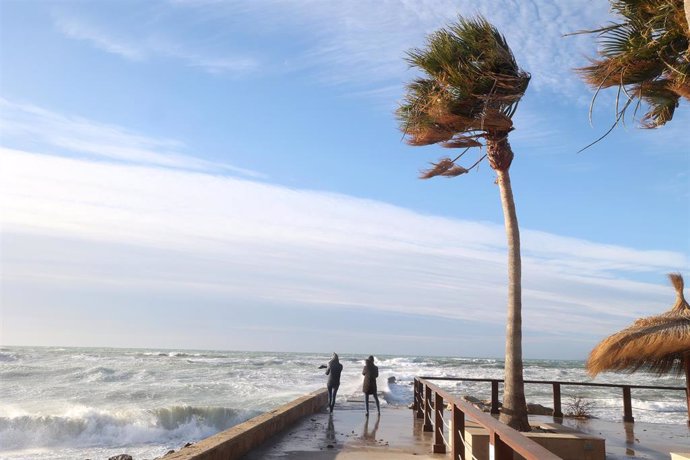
(98, 403)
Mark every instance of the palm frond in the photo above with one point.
(445, 167)
(471, 86)
(643, 52)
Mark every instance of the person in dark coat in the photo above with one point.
(370, 373)
(333, 372)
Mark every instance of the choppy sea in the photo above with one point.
(78, 403)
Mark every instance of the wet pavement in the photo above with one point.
(348, 435)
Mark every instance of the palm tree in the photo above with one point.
(644, 55)
(466, 98)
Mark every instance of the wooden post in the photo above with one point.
(557, 401)
(494, 397)
(627, 405)
(439, 444)
(427, 409)
(458, 448)
(501, 450)
(419, 395)
(686, 362)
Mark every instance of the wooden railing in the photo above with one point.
(504, 442)
(556, 385)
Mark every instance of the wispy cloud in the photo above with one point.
(147, 46)
(366, 41)
(359, 45)
(78, 30)
(28, 125)
(172, 231)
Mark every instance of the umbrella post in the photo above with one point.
(627, 406)
(686, 364)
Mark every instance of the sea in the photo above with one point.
(93, 403)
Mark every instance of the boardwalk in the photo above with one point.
(348, 435)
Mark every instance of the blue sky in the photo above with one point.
(229, 175)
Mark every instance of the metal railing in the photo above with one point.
(504, 442)
(556, 385)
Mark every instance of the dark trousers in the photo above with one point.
(366, 402)
(332, 392)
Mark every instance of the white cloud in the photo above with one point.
(149, 46)
(349, 43)
(78, 30)
(78, 223)
(366, 41)
(24, 124)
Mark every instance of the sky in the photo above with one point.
(230, 175)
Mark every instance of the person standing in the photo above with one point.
(333, 372)
(370, 373)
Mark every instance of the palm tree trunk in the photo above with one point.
(514, 411)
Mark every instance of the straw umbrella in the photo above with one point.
(658, 343)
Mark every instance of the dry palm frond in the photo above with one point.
(455, 171)
(428, 134)
(657, 343)
(460, 142)
(445, 167)
(682, 89)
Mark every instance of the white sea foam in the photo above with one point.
(89, 427)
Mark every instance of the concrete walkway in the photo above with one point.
(652, 441)
(348, 435)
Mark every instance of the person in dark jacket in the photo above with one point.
(370, 373)
(333, 372)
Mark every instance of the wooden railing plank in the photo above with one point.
(427, 409)
(439, 444)
(627, 405)
(519, 443)
(458, 426)
(551, 382)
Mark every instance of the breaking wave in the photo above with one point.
(88, 427)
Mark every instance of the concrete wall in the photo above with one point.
(233, 443)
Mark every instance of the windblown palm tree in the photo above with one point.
(644, 55)
(467, 97)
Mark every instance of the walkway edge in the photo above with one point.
(235, 442)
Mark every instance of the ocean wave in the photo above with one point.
(265, 362)
(8, 375)
(398, 395)
(172, 418)
(170, 354)
(105, 374)
(89, 427)
(6, 357)
(660, 406)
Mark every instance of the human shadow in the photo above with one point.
(330, 430)
(370, 435)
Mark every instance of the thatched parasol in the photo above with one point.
(659, 343)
